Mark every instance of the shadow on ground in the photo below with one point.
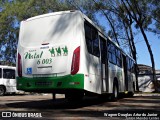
(60, 103)
(92, 106)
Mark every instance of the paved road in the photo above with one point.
(142, 107)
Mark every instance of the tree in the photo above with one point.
(137, 10)
(154, 13)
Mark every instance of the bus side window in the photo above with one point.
(119, 57)
(9, 73)
(103, 50)
(128, 64)
(88, 37)
(112, 53)
(132, 66)
(95, 39)
(92, 40)
(109, 52)
(0, 73)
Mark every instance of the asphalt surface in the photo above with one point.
(20, 107)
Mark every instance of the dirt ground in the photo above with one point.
(42, 106)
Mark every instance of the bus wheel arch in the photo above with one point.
(2, 90)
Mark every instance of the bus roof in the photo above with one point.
(50, 14)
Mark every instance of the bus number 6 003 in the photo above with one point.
(44, 61)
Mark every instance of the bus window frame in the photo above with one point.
(91, 41)
(119, 57)
(113, 56)
(112, 51)
(11, 75)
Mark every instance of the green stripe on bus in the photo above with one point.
(50, 83)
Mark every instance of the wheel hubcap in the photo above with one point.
(1, 91)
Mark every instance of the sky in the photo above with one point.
(143, 56)
(142, 51)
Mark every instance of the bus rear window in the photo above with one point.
(9, 73)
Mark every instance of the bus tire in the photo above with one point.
(131, 94)
(115, 93)
(2, 90)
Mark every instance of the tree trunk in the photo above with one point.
(134, 52)
(151, 56)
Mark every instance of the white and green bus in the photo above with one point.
(65, 52)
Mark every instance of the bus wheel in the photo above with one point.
(115, 93)
(2, 90)
(131, 94)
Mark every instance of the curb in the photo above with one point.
(147, 94)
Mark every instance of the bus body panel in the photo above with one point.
(115, 72)
(91, 66)
(49, 45)
(92, 80)
(131, 80)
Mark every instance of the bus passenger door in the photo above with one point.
(104, 67)
(125, 73)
